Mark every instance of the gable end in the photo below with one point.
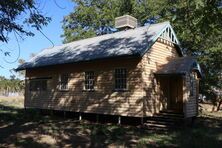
(167, 35)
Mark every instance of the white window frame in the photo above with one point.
(120, 76)
(61, 85)
(89, 80)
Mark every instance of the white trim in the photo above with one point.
(169, 35)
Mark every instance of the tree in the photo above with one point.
(96, 17)
(126, 7)
(89, 18)
(198, 24)
(23, 10)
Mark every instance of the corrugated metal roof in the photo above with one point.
(181, 65)
(134, 42)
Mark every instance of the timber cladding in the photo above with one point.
(191, 101)
(138, 100)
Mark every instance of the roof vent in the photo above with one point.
(125, 22)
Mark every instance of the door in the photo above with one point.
(171, 92)
(175, 94)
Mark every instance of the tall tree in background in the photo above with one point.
(90, 17)
(126, 7)
(96, 17)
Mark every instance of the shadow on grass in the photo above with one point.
(20, 128)
(24, 128)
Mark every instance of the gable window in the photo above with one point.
(63, 81)
(120, 79)
(38, 85)
(89, 80)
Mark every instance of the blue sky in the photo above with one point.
(38, 42)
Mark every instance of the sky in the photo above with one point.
(56, 9)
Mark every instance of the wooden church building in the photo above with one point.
(135, 72)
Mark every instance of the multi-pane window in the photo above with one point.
(63, 81)
(89, 80)
(38, 85)
(120, 79)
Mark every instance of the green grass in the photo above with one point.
(19, 128)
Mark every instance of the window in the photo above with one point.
(120, 79)
(38, 85)
(89, 80)
(63, 81)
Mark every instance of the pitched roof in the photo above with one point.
(181, 65)
(134, 42)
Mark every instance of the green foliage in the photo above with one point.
(126, 7)
(212, 65)
(96, 17)
(27, 13)
(89, 17)
(198, 24)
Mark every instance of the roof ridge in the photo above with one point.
(104, 35)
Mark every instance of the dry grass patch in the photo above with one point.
(12, 101)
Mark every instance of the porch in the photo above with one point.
(178, 86)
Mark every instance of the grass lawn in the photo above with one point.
(29, 129)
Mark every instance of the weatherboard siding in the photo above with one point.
(191, 102)
(160, 53)
(141, 98)
(104, 100)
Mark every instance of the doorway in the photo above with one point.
(171, 92)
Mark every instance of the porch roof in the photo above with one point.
(181, 65)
